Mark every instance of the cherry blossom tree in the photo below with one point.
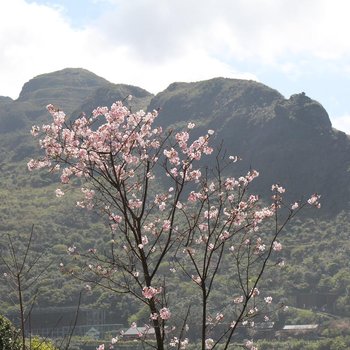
(164, 207)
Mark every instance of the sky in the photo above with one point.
(291, 46)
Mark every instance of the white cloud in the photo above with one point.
(33, 39)
(192, 66)
(41, 40)
(342, 123)
(151, 43)
(254, 29)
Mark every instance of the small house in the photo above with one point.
(139, 333)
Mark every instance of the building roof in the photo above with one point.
(300, 327)
(139, 330)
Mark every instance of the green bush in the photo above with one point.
(338, 343)
(9, 335)
(39, 344)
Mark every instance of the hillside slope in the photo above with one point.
(289, 141)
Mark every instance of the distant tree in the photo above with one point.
(21, 270)
(165, 207)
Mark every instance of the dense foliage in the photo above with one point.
(9, 335)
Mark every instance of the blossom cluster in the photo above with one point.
(117, 150)
(150, 292)
(175, 342)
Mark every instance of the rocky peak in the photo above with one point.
(304, 110)
(65, 88)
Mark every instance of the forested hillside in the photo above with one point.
(289, 141)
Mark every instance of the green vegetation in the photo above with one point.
(41, 344)
(9, 335)
(288, 141)
(338, 343)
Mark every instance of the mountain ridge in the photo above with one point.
(290, 141)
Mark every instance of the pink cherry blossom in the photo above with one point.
(277, 246)
(295, 206)
(72, 249)
(150, 292)
(173, 156)
(278, 188)
(249, 344)
(197, 279)
(116, 218)
(166, 225)
(154, 316)
(164, 313)
(234, 159)
(225, 235)
(35, 130)
(268, 300)
(192, 197)
(219, 317)
(314, 200)
(255, 292)
(59, 192)
(209, 343)
(238, 300)
(144, 240)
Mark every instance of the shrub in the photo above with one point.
(9, 335)
(39, 344)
